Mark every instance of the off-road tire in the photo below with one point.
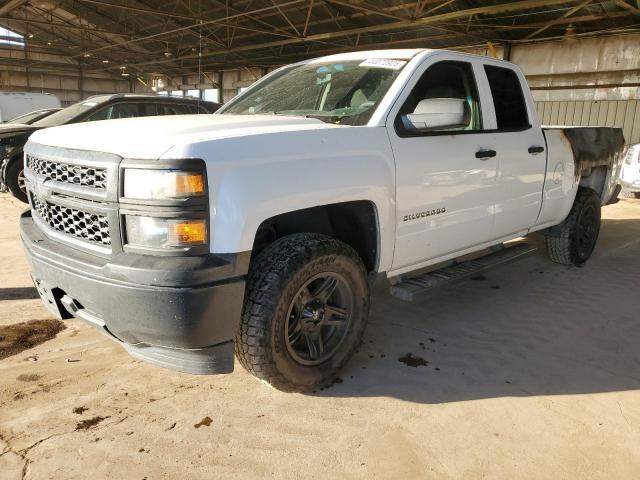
(629, 194)
(563, 243)
(14, 169)
(275, 277)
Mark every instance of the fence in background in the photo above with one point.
(606, 113)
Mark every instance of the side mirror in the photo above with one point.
(438, 113)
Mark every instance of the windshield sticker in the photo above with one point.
(384, 63)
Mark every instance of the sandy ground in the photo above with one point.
(531, 373)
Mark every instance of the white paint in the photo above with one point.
(150, 137)
(263, 165)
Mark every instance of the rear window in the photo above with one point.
(508, 99)
(173, 109)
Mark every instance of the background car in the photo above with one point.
(29, 118)
(99, 107)
(630, 178)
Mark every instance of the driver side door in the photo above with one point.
(445, 176)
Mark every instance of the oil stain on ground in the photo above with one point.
(91, 422)
(24, 335)
(205, 422)
(25, 377)
(412, 360)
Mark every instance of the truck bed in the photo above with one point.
(592, 147)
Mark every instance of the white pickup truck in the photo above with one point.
(260, 228)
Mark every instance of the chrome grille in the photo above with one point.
(82, 175)
(84, 225)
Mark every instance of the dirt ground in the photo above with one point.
(531, 371)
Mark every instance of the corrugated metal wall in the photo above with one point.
(606, 113)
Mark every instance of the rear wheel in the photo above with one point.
(305, 311)
(14, 178)
(629, 194)
(572, 242)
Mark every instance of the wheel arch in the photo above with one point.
(355, 223)
(15, 157)
(597, 179)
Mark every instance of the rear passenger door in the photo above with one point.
(520, 148)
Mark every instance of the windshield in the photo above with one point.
(71, 112)
(344, 93)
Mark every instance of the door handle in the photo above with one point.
(536, 150)
(485, 154)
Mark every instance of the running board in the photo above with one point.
(410, 289)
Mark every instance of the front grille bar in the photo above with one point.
(87, 226)
(85, 176)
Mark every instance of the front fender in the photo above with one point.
(255, 177)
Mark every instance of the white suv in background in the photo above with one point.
(630, 178)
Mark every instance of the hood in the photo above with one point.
(150, 137)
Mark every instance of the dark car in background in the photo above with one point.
(99, 107)
(29, 118)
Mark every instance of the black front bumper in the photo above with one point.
(177, 312)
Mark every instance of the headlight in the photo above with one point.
(165, 233)
(146, 184)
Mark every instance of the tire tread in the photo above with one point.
(560, 239)
(267, 278)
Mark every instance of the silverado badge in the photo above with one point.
(423, 214)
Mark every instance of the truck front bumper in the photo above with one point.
(176, 312)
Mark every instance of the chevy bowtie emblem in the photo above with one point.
(41, 190)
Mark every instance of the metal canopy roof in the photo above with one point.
(182, 36)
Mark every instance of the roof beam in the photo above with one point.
(308, 17)
(275, 4)
(485, 29)
(568, 13)
(11, 5)
(420, 7)
(626, 6)
(366, 8)
(401, 24)
(79, 28)
(220, 21)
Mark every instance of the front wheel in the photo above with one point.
(306, 308)
(572, 242)
(14, 179)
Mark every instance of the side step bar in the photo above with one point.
(410, 289)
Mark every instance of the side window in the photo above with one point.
(171, 109)
(150, 109)
(102, 114)
(508, 99)
(161, 109)
(445, 99)
(125, 110)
